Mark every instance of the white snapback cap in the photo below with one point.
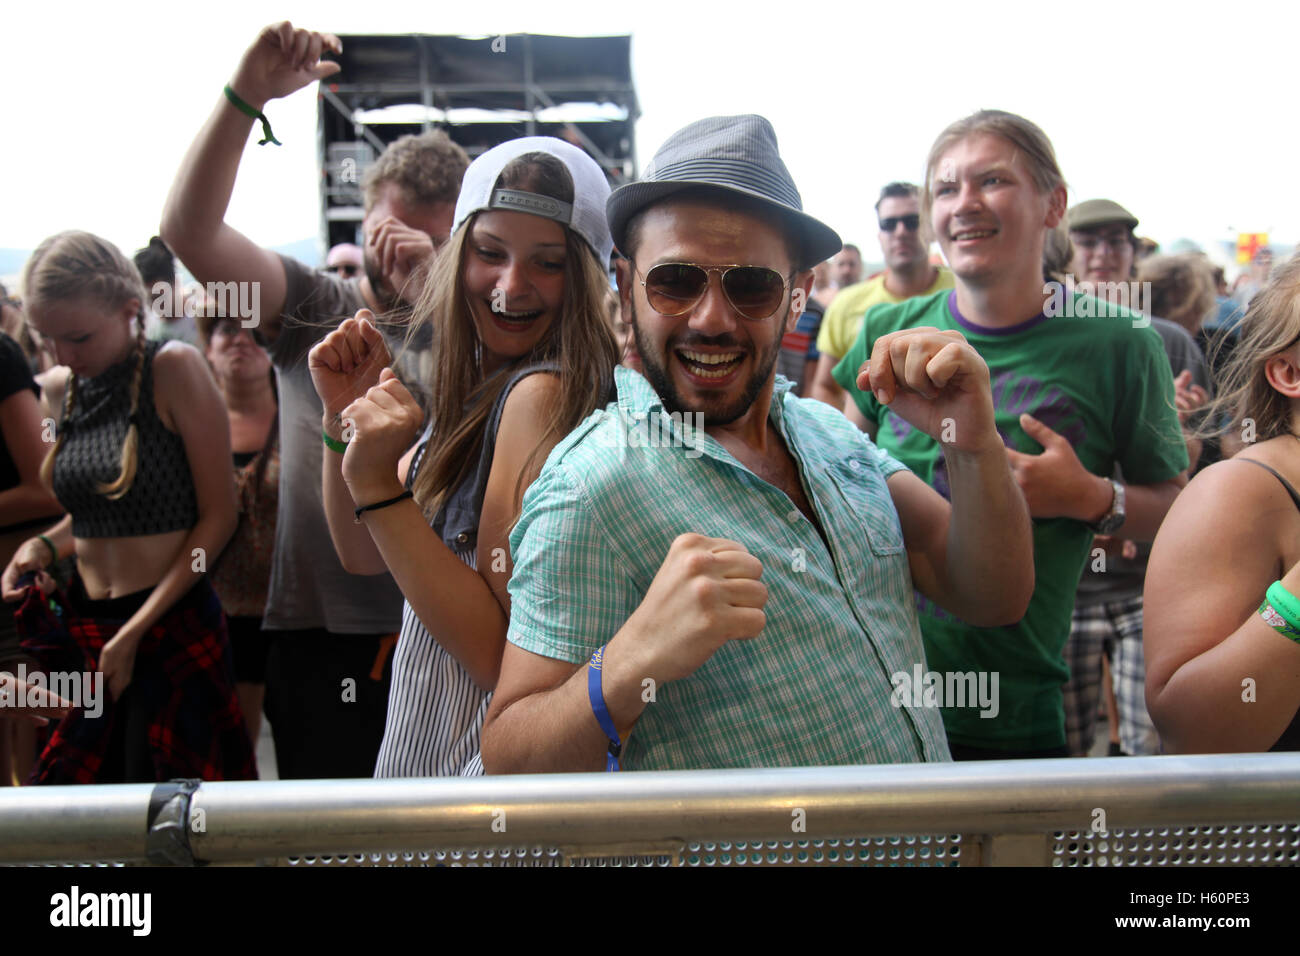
(585, 215)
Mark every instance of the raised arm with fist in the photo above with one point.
(937, 382)
(282, 60)
(366, 406)
(346, 363)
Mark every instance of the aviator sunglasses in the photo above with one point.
(674, 288)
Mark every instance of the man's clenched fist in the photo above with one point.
(937, 382)
(707, 592)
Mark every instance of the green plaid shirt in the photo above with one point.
(815, 687)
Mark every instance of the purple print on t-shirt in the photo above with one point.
(1014, 394)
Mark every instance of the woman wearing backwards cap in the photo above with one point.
(522, 352)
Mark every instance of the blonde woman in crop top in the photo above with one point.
(141, 464)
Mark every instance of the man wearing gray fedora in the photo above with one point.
(711, 572)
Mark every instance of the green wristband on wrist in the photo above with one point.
(333, 444)
(239, 104)
(1281, 611)
(54, 552)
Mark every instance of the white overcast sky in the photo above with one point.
(1183, 112)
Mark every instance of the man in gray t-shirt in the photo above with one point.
(309, 588)
(327, 669)
(1108, 605)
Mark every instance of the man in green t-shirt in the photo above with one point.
(905, 244)
(1078, 386)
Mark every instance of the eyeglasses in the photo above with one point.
(911, 222)
(674, 288)
(347, 271)
(1089, 241)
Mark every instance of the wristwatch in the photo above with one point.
(1112, 520)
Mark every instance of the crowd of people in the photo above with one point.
(457, 503)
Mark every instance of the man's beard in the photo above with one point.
(656, 371)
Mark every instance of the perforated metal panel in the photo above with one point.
(500, 856)
(1226, 845)
(867, 851)
(1264, 844)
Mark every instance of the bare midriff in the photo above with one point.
(113, 567)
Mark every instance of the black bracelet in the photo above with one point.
(384, 504)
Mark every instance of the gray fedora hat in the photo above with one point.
(735, 154)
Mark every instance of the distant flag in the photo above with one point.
(1249, 243)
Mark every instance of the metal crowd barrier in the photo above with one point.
(1151, 811)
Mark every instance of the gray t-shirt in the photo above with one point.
(309, 587)
(1122, 580)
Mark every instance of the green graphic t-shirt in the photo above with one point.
(1102, 382)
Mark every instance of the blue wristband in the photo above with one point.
(597, 694)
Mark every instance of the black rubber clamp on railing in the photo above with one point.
(167, 834)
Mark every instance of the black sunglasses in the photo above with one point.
(346, 271)
(230, 328)
(911, 222)
(674, 288)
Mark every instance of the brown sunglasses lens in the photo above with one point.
(755, 292)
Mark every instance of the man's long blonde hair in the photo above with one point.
(1030, 142)
(1033, 147)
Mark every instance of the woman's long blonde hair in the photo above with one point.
(1271, 326)
(76, 265)
(579, 342)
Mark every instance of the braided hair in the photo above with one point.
(75, 265)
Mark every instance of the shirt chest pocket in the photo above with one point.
(861, 488)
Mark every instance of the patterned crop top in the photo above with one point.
(162, 496)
